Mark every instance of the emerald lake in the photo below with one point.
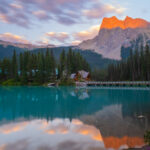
(72, 118)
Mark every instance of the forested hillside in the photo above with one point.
(39, 68)
(134, 68)
(95, 60)
(7, 51)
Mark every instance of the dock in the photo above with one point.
(114, 83)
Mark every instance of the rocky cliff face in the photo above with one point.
(115, 33)
(113, 22)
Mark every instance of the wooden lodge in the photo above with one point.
(81, 76)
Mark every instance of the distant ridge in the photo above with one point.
(94, 59)
(24, 46)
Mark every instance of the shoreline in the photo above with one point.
(142, 84)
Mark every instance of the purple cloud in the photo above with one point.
(66, 20)
(101, 10)
(13, 13)
(59, 37)
(42, 15)
(67, 12)
(2, 10)
(13, 38)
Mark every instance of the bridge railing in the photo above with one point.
(118, 82)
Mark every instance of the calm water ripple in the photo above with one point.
(69, 118)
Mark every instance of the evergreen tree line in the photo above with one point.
(41, 68)
(135, 68)
(71, 63)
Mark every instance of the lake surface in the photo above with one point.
(69, 118)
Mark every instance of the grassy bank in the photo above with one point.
(66, 82)
(13, 82)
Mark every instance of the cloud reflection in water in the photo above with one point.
(40, 135)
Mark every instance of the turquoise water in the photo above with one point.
(69, 118)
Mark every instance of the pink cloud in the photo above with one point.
(60, 36)
(76, 42)
(87, 34)
(4, 18)
(16, 6)
(13, 38)
(67, 12)
(100, 10)
(41, 14)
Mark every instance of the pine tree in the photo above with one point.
(52, 64)
(147, 62)
(142, 76)
(21, 63)
(69, 61)
(137, 64)
(14, 66)
(47, 65)
(62, 61)
(23, 71)
(40, 74)
(132, 68)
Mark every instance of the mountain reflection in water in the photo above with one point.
(68, 118)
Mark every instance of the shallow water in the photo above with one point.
(68, 118)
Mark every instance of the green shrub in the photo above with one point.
(34, 84)
(66, 82)
(147, 137)
(11, 82)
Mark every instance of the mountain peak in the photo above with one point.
(113, 17)
(108, 42)
(128, 22)
(128, 18)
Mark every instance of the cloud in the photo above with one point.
(76, 42)
(74, 38)
(14, 13)
(8, 129)
(17, 18)
(87, 34)
(13, 38)
(89, 130)
(41, 15)
(76, 122)
(66, 20)
(76, 127)
(16, 6)
(43, 42)
(3, 18)
(61, 11)
(66, 12)
(60, 36)
(101, 10)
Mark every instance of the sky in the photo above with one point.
(62, 22)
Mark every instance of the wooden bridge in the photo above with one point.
(114, 83)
